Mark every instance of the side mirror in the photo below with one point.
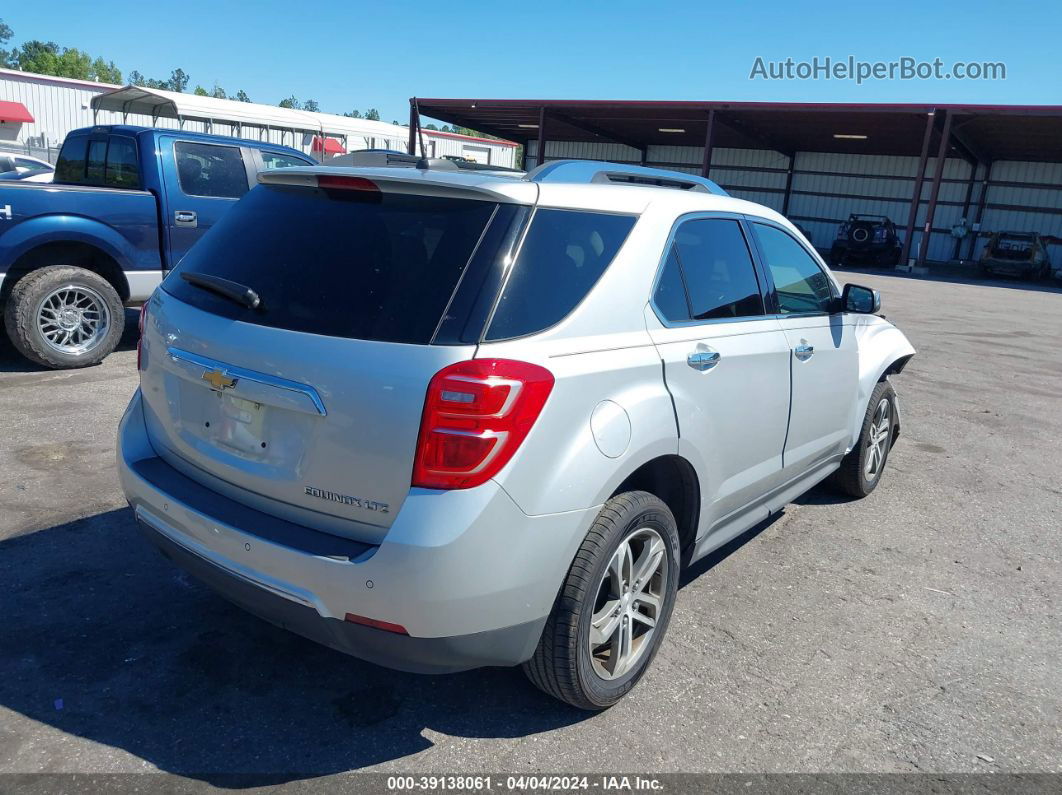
(861, 300)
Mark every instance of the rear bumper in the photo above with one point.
(467, 574)
(1016, 267)
(508, 646)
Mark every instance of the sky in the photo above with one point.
(352, 54)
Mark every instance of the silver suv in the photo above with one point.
(445, 420)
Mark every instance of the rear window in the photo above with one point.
(562, 257)
(70, 167)
(339, 263)
(103, 162)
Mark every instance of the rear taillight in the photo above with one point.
(476, 414)
(140, 337)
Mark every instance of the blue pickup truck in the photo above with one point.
(126, 204)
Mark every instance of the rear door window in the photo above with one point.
(717, 270)
(562, 257)
(342, 263)
(210, 170)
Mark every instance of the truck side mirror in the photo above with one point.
(862, 300)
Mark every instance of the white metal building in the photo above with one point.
(58, 105)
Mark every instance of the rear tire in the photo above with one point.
(861, 470)
(64, 317)
(634, 540)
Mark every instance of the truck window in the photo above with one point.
(277, 160)
(104, 163)
(122, 167)
(210, 170)
(70, 167)
(96, 162)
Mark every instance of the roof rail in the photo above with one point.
(600, 171)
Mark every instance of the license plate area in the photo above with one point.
(239, 425)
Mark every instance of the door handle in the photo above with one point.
(804, 351)
(185, 218)
(703, 360)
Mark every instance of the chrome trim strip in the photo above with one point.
(250, 375)
(239, 572)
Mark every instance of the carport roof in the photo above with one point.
(982, 132)
(175, 105)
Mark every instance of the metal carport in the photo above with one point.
(1000, 163)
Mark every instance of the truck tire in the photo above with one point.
(602, 599)
(64, 317)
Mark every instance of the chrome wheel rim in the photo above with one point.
(628, 604)
(878, 439)
(73, 319)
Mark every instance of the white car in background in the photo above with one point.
(24, 168)
(441, 419)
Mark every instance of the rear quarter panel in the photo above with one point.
(563, 465)
(600, 352)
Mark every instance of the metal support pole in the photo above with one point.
(981, 200)
(916, 199)
(645, 154)
(966, 207)
(788, 185)
(413, 122)
(942, 154)
(540, 155)
(706, 163)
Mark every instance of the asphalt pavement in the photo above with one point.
(916, 630)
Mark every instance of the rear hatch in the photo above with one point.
(308, 405)
(1015, 247)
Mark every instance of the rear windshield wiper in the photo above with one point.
(234, 291)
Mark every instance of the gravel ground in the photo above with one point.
(917, 630)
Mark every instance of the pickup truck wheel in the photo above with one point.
(64, 317)
(861, 470)
(614, 607)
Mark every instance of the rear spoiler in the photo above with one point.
(404, 180)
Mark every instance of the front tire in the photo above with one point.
(64, 317)
(614, 607)
(861, 470)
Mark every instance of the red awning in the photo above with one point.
(14, 112)
(331, 146)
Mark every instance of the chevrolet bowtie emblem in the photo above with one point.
(218, 380)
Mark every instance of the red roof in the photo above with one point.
(14, 112)
(331, 146)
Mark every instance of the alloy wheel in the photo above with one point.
(629, 602)
(73, 319)
(878, 439)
